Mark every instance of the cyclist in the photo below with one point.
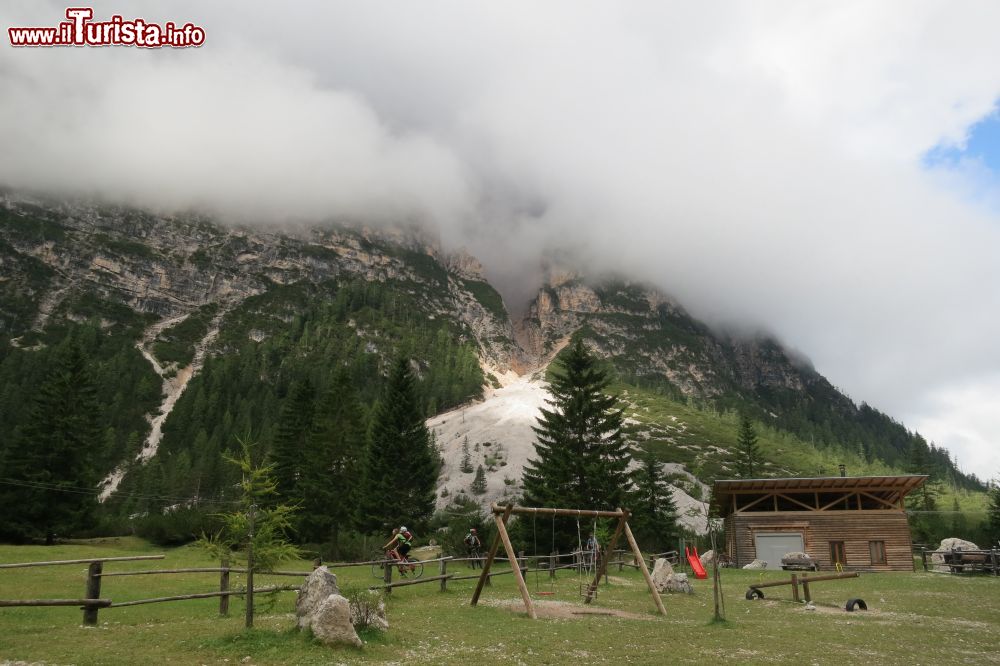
(399, 546)
(473, 544)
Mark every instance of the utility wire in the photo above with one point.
(39, 485)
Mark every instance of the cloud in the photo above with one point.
(761, 161)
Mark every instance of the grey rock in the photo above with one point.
(756, 564)
(331, 623)
(320, 585)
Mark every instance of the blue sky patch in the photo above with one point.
(982, 146)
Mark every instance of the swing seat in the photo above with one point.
(544, 594)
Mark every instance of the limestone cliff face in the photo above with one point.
(648, 335)
(168, 266)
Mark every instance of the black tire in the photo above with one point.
(418, 567)
(753, 593)
(853, 604)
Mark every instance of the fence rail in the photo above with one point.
(964, 561)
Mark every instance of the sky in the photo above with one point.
(827, 171)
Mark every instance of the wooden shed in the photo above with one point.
(856, 521)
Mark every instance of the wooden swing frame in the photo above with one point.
(502, 514)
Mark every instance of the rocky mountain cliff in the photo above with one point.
(187, 292)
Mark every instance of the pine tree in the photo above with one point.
(654, 517)
(400, 469)
(295, 423)
(748, 458)
(478, 486)
(993, 514)
(328, 481)
(582, 457)
(925, 522)
(466, 466)
(54, 464)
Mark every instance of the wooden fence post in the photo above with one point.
(93, 592)
(805, 588)
(444, 570)
(795, 588)
(224, 587)
(923, 557)
(387, 575)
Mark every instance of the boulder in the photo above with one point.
(320, 585)
(331, 622)
(707, 557)
(661, 570)
(368, 610)
(756, 564)
(798, 560)
(665, 580)
(949, 544)
(677, 582)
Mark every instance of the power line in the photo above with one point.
(39, 485)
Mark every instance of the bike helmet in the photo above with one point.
(402, 528)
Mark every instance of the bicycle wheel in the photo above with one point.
(378, 570)
(418, 567)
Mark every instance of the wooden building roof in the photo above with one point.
(729, 493)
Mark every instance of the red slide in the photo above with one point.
(695, 562)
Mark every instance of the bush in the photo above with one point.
(177, 527)
(367, 607)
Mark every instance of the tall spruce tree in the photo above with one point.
(993, 514)
(52, 470)
(295, 423)
(400, 468)
(328, 479)
(748, 458)
(654, 515)
(581, 456)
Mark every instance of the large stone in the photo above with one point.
(756, 564)
(662, 570)
(952, 543)
(677, 582)
(331, 622)
(707, 557)
(798, 560)
(320, 585)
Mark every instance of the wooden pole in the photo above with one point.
(805, 588)
(387, 577)
(203, 595)
(14, 603)
(502, 531)
(444, 575)
(224, 587)
(21, 565)
(795, 588)
(484, 578)
(645, 572)
(553, 559)
(716, 592)
(93, 592)
(250, 565)
(526, 510)
(602, 568)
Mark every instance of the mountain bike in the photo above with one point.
(409, 567)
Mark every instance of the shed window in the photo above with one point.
(877, 551)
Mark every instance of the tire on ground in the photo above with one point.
(853, 604)
(754, 593)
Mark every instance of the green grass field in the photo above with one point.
(916, 618)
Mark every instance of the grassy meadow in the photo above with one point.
(918, 618)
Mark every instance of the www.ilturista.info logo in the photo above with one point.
(79, 30)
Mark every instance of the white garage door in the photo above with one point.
(772, 547)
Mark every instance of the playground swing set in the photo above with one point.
(502, 514)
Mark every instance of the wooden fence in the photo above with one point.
(964, 561)
(92, 602)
